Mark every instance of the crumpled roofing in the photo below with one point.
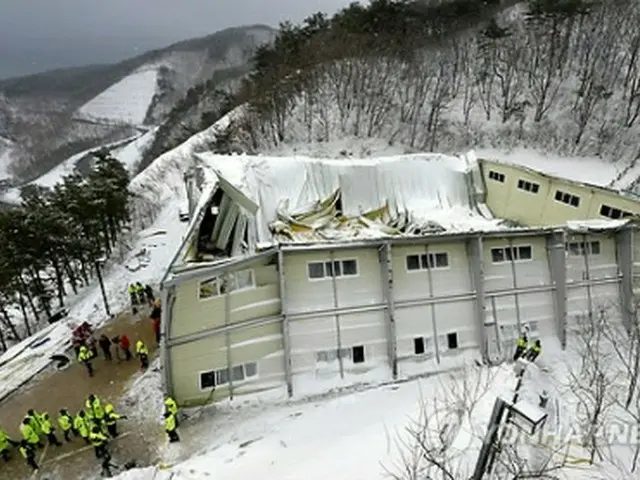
(305, 199)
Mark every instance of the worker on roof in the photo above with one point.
(143, 354)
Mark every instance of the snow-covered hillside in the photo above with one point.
(5, 158)
(124, 102)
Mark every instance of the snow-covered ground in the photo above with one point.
(146, 263)
(5, 158)
(129, 151)
(126, 101)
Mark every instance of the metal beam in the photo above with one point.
(227, 334)
(166, 319)
(336, 305)
(475, 255)
(432, 306)
(286, 338)
(210, 270)
(624, 257)
(558, 270)
(386, 271)
(416, 240)
(514, 283)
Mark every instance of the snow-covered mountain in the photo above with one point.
(53, 116)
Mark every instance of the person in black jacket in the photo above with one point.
(105, 346)
(149, 293)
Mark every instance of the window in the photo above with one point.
(337, 268)
(239, 373)
(613, 213)
(452, 341)
(427, 261)
(528, 186)
(332, 355)
(497, 176)
(418, 346)
(515, 253)
(227, 283)
(567, 198)
(358, 354)
(582, 248)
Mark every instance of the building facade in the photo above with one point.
(403, 306)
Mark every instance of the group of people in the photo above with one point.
(86, 354)
(525, 350)
(141, 294)
(95, 424)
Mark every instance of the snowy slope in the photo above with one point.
(124, 102)
(131, 153)
(5, 160)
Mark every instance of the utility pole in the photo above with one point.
(98, 265)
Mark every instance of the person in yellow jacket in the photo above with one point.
(65, 422)
(521, 346)
(534, 351)
(143, 354)
(29, 434)
(94, 409)
(34, 420)
(99, 441)
(85, 356)
(48, 430)
(170, 427)
(111, 420)
(29, 454)
(171, 406)
(82, 426)
(5, 443)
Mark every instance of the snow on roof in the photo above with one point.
(309, 199)
(590, 170)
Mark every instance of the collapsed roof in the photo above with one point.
(248, 203)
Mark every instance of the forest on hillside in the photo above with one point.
(560, 74)
(55, 241)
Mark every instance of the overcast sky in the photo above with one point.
(38, 35)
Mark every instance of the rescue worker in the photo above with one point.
(99, 441)
(85, 357)
(48, 430)
(170, 427)
(171, 406)
(521, 346)
(125, 345)
(94, 410)
(155, 324)
(106, 465)
(5, 443)
(140, 293)
(111, 420)
(148, 291)
(29, 454)
(143, 354)
(29, 434)
(544, 399)
(133, 295)
(34, 421)
(105, 346)
(65, 422)
(534, 351)
(81, 425)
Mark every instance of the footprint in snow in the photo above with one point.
(283, 444)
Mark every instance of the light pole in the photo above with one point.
(98, 263)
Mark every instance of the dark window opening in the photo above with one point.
(358, 354)
(207, 380)
(349, 267)
(413, 262)
(452, 341)
(418, 345)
